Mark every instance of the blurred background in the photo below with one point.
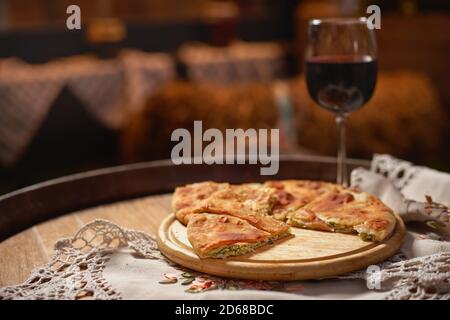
(112, 92)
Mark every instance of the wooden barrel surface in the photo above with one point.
(134, 196)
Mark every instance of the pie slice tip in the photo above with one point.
(223, 236)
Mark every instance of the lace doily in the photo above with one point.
(399, 172)
(76, 270)
(419, 278)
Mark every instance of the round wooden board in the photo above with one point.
(307, 254)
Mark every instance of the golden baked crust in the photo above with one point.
(347, 211)
(294, 194)
(186, 198)
(251, 202)
(220, 236)
(329, 207)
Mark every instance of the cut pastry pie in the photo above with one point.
(250, 202)
(188, 197)
(294, 194)
(222, 236)
(227, 220)
(347, 211)
(330, 207)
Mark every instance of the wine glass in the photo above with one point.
(341, 71)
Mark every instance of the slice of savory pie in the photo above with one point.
(222, 236)
(294, 194)
(347, 211)
(185, 199)
(250, 202)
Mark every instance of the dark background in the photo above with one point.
(415, 36)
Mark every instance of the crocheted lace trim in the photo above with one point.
(75, 271)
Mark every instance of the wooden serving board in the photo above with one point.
(307, 254)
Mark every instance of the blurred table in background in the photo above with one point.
(237, 63)
(108, 91)
(111, 90)
(67, 115)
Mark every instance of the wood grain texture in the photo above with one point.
(143, 214)
(50, 232)
(20, 254)
(307, 254)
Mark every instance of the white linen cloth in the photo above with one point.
(125, 264)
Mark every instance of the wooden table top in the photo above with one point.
(21, 253)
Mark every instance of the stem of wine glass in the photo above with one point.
(341, 121)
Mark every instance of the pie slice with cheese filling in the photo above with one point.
(346, 211)
(222, 236)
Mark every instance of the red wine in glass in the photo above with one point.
(341, 71)
(341, 83)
